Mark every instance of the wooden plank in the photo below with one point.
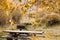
(6, 37)
(18, 31)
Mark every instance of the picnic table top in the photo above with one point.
(22, 31)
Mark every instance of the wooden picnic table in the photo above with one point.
(13, 33)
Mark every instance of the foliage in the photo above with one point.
(43, 8)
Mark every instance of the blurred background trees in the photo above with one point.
(3, 11)
(36, 11)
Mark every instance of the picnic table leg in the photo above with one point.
(14, 35)
(9, 39)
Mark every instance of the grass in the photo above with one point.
(1, 33)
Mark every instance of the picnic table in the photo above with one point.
(17, 34)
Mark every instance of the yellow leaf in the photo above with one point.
(27, 4)
(22, 11)
(33, 1)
